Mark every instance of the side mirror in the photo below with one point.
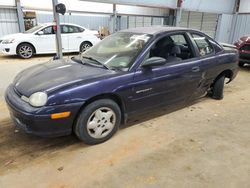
(40, 32)
(154, 61)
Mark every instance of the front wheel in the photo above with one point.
(98, 121)
(25, 50)
(218, 88)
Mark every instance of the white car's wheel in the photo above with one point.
(84, 46)
(25, 50)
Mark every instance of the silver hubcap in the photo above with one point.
(101, 122)
(25, 51)
(85, 47)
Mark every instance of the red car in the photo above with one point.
(243, 45)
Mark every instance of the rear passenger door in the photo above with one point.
(74, 37)
(65, 38)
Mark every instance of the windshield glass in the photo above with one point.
(118, 50)
(33, 29)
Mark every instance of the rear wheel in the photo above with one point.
(25, 50)
(98, 121)
(218, 88)
(84, 46)
(241, 64)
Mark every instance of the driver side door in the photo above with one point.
(173, 82)
(45, 43)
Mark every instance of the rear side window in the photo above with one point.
(245, 47)
(71, 29)
(64, 29)
(204, 46)
(80, 29)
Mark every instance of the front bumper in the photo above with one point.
(8, 49)
(37, 121)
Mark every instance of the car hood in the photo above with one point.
(55, 75)
(13, 36)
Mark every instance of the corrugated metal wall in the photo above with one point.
(242, 27)
(224, 29)
(88, 21)
(145, 21)
(124, 22)
(212, 6)
(206, 22)
(8, 21)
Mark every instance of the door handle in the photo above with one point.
(196, 69)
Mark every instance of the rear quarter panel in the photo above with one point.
(225, 60)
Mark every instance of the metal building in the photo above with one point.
(222, 21)
(8, 20)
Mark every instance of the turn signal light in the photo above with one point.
(60, 115)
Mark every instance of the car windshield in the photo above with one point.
(33, 29)
(118, 51)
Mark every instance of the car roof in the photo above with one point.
(62, 23)
(154, 30)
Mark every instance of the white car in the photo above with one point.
(41, 40)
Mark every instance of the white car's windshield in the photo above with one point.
(118, 50)
(34, 29)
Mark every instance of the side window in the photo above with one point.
(172, 48)
(48, 30)
(179, 39)
(65, 29)
(77, 29)
(71, 29)
(203, 44)
(245, 47)
(80, 29)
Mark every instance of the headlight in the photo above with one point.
(38, 99)
(8, 41)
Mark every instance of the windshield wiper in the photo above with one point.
(93, 59)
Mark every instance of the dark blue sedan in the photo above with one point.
(131, 71)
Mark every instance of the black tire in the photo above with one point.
(25, 50)
(218, 88)
(85, 45)
(88, 114)
(241, 64)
